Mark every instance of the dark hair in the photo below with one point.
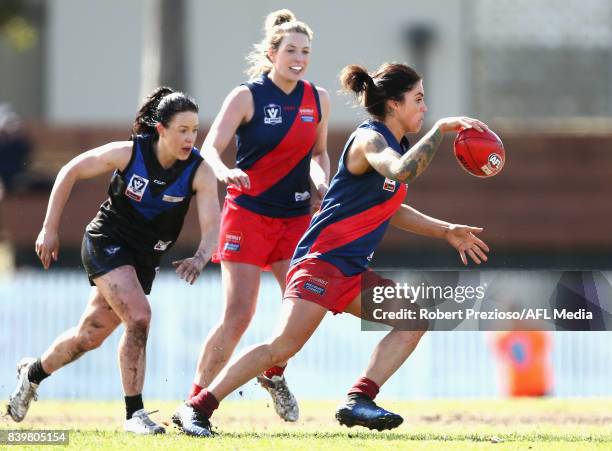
(160, 107)
(389, 82)
(277, 25)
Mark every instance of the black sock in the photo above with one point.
(132, 404)
(36, 374)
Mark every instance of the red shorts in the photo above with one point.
(248, 237)
(320, 282)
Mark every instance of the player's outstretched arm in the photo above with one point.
(463, 238)
(405, 168)
(205, 186)
(89, 164)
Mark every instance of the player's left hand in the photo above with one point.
(317, 198)
(454, 124)
(189, 269)
(463, 238)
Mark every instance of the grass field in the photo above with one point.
(547, 424)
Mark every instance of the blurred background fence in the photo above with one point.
(36, 308)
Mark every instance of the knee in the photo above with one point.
(410, 338)
(139, 321)
(416, 327)
(419, 334)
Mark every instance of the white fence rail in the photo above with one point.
(35, 307)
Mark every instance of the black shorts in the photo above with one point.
(101, 254)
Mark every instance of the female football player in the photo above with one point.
(155, 176)
(280, 124)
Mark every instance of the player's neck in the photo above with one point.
(287, 86)
(395, 127)
(164, 157)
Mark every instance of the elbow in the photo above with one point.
(400, 174)
(406, 169)
(64, 172)
(68, 172)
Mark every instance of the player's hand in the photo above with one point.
(189, 269)
(463, 238)
(454, 124)
(235, 177)
(317, 198)
(47, 247)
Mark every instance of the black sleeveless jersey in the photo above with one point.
(147, 204)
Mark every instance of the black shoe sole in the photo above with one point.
(379, 424)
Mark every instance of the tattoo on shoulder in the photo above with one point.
(375, 143)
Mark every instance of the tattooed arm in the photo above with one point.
(409, 166)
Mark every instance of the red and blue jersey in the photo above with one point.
(354, 214)
(275, 147)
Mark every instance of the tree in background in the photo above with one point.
(17, 25)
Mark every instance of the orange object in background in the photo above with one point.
(524, 357)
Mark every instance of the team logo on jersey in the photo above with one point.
(162, 245)
(232, 241)
(136, 187)
(307, 114)
(272, 114)
(316, 285)
(389, 185)
(299, 197)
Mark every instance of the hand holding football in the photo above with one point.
(481, 154)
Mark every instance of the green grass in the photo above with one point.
(537, 424)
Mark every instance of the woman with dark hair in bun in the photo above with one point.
(155, 175)
(331, 261)
(280, 123)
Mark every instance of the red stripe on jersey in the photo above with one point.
(354, 227)
(296, 144)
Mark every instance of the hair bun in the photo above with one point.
(355, 78)
(278, 18)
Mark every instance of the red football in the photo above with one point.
(480, 153)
